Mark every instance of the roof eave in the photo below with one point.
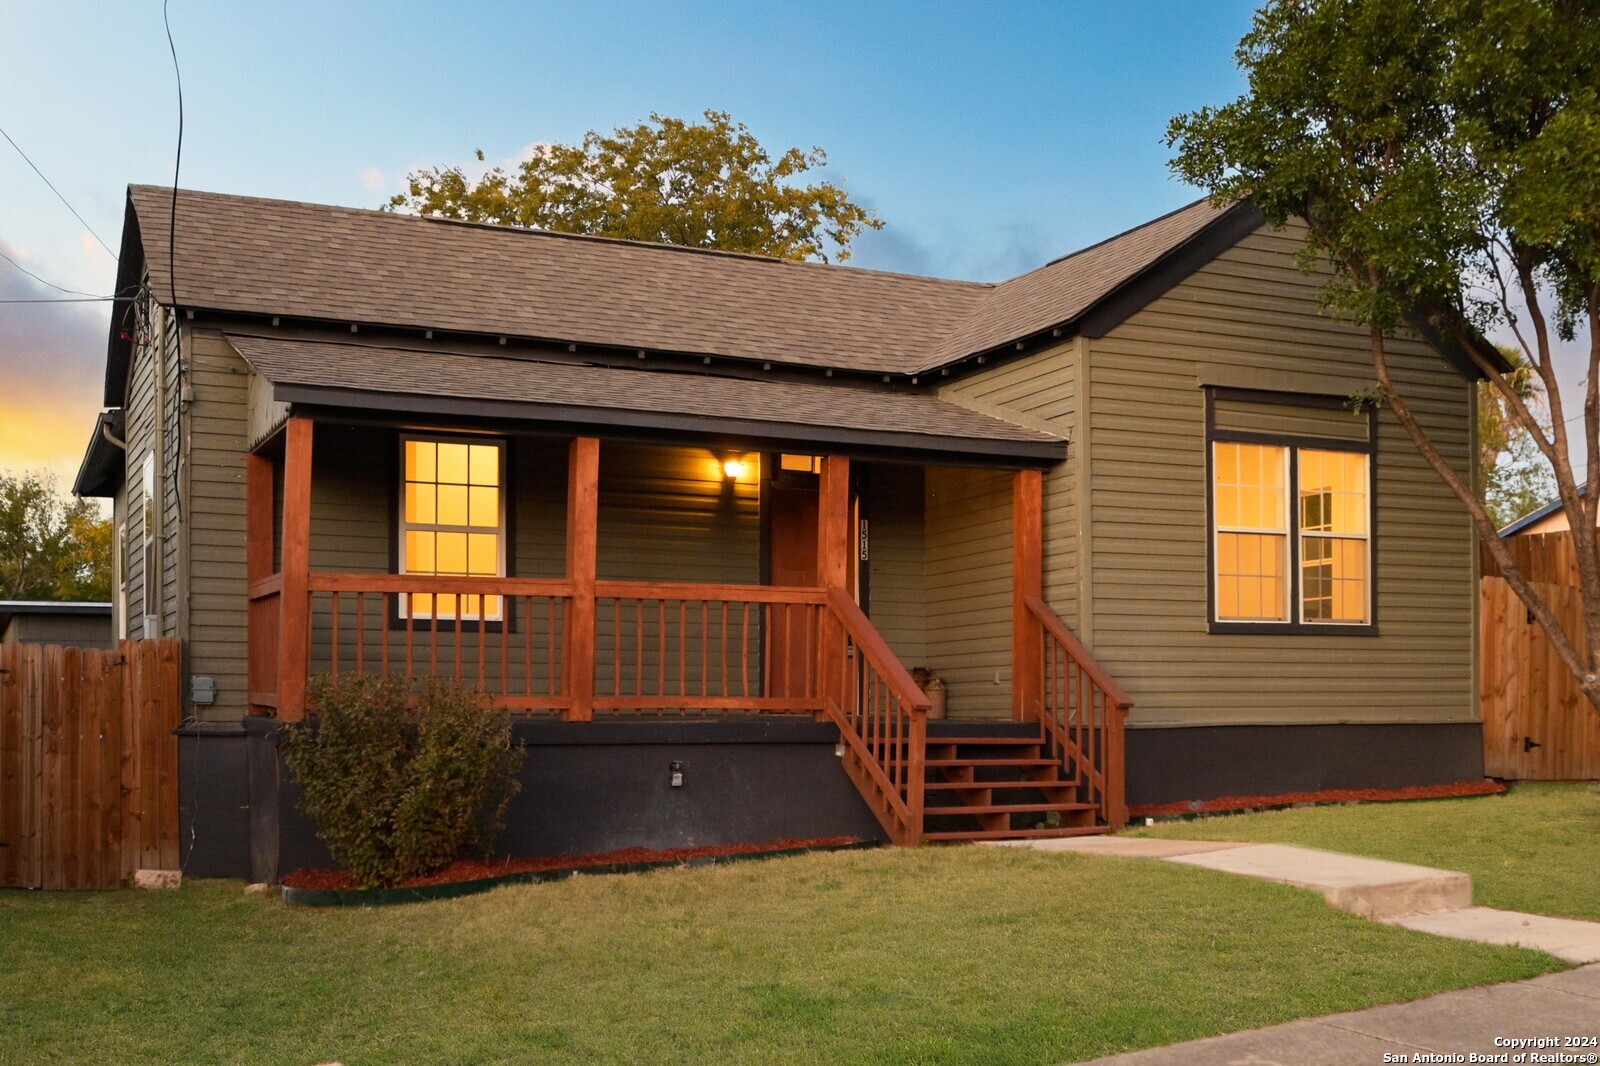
(99, 474)
(1042, 452)
(130, 272)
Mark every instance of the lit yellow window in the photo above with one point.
(452, 522)
(1335, 505)
(803, 464)
(1250, 500)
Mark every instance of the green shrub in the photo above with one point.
(399, 786)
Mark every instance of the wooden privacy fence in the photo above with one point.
(1537, 723)
(88, 763)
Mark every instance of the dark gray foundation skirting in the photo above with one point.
(1207, 762)
(599, 786)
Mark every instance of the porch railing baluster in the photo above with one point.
(1084, 717)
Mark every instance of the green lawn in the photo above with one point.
(1537, 848)
(952, 955)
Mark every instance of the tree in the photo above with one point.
(1444, 156)
(701, 185)
(50, 548)
(1513, 478)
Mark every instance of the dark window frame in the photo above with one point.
(1294, 443)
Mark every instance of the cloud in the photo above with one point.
(993, 255)
(52, 366)
(372, 178)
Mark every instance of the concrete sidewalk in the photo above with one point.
(1452, 1023)
(1416, 897)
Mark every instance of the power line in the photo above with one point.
(57, 191)
(68, 300)
(51, 284)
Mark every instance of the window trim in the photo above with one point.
(399, 617)
(150, 561)
(1294, 443)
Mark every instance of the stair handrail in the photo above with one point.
(1103, 763)
(897, 787)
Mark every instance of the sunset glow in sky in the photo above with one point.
(990, 138)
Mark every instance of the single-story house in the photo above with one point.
(77, 623)
(696, 517)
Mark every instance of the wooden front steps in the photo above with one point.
(994, 781)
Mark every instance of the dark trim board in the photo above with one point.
(1209, 762)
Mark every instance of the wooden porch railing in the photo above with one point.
(701, 647)
(881, 713)
(1082, 712)
(504, 636)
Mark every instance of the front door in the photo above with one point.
(791, 560)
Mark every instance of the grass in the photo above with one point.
(1532, 849)
(936, 955)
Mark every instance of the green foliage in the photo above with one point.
(1519, 482)
(1433, 148)
(1514, 478)
(51, 548)
(398, 786)
(701, 185)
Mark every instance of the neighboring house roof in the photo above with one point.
(426, 379)
(92, 608)
(334, 264)
(1533, 516)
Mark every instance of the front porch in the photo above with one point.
(599, 635)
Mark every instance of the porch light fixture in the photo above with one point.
(734, 468)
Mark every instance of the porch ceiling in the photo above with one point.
(425, 380)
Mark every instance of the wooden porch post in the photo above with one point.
(294, 646)
(583, 533)
(1027, 579)
(833, 523)
(833, 568)
(261, 639)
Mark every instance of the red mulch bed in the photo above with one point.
(482, 869)
(1332, 795)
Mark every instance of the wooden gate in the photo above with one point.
(1537, 723)
(88, 763)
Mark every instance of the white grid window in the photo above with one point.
(452, 521)
(1251, 505)
(1334, 510)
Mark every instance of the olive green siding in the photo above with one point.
(967, 541)
(151, 428)
(1251, 319)
(1041, 390)
(669, 514)
(216, 519)
(896, 561)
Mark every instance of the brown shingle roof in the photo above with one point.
(336, 374)
(300, 260)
